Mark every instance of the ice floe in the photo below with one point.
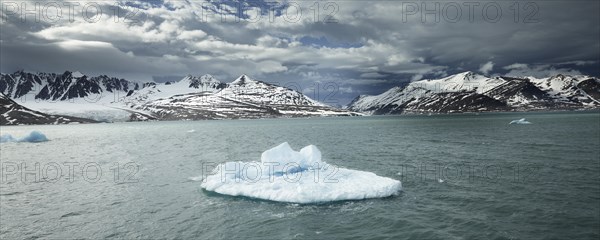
(286, 175)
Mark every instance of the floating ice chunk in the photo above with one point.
(33, 136)
(322, 185)
(520, 121)
(191, 131)
(7, 138)
(197, 178)
(309, 180)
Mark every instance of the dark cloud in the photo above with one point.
(372, 45)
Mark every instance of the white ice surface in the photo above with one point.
(81, 108)
(520, 121)
(300, 177)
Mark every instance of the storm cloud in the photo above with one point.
(344, 48)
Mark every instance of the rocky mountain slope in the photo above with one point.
(470, 92)
(65, 86)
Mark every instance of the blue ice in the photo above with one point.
(33, 137)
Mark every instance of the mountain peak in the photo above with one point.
(205, 80)
(244, 77)
(242, 80)
(207, 76)
(467, 74)
(464, 76)
(77, 74)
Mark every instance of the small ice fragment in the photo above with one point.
(7, 138)
(520, 121)
(33, 137)
(196, 179)
(191, 131)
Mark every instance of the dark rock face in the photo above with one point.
(521, 88)
(591, 87)
(515, 86)
(60, 87)
(459, 102)
(140, 117)
(445, 103)
(11, 113)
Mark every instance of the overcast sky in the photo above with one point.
(343, 48)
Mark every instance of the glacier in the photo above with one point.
(285, 175)
(33, 137)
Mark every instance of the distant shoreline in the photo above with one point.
(541, 111)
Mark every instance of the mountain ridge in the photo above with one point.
(104, 98)
(192, 98)
(471, 92)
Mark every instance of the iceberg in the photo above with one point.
(7, 138)
(285, 175)
(33, 137)
(520, 121)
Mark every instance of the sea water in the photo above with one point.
(463, 176)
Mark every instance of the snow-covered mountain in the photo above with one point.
(470, 92)
(101, 98)
(111, 99)
(11, 113)
(74, 86)
(189, 84)
(65, 86)
(242, 98)
(249, 90)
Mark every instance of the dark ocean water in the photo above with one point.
(464, 177)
